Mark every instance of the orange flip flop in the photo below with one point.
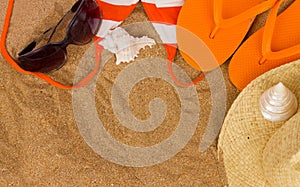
(220, 25)
(273, 45)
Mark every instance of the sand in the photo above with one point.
(40, 141)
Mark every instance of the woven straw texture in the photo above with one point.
(245, 132)
(281, 157)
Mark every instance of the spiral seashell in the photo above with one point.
(278, 103)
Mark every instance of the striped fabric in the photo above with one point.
(162, 13)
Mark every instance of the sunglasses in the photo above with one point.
(53, 55)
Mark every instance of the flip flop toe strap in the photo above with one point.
(267, 53)
(221, 22)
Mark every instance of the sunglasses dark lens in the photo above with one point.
(86, 23)
(44, 59)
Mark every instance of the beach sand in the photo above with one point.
(40, 142)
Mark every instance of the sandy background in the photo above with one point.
(39, 140)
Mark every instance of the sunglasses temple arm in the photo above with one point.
(56, 26)
(33, 44)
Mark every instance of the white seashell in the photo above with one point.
(278, 103)
(123, 45)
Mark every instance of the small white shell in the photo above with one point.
(278, 103)
(126, 47)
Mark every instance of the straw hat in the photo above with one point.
(255, 151)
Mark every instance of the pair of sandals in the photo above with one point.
(221, 26)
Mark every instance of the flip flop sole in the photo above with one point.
(197, 17)
(244, 65)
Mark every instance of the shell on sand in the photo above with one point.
(123, 45)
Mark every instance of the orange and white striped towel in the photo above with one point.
(162, 13)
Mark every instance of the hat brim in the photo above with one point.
(245, 132)
(281, 156)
